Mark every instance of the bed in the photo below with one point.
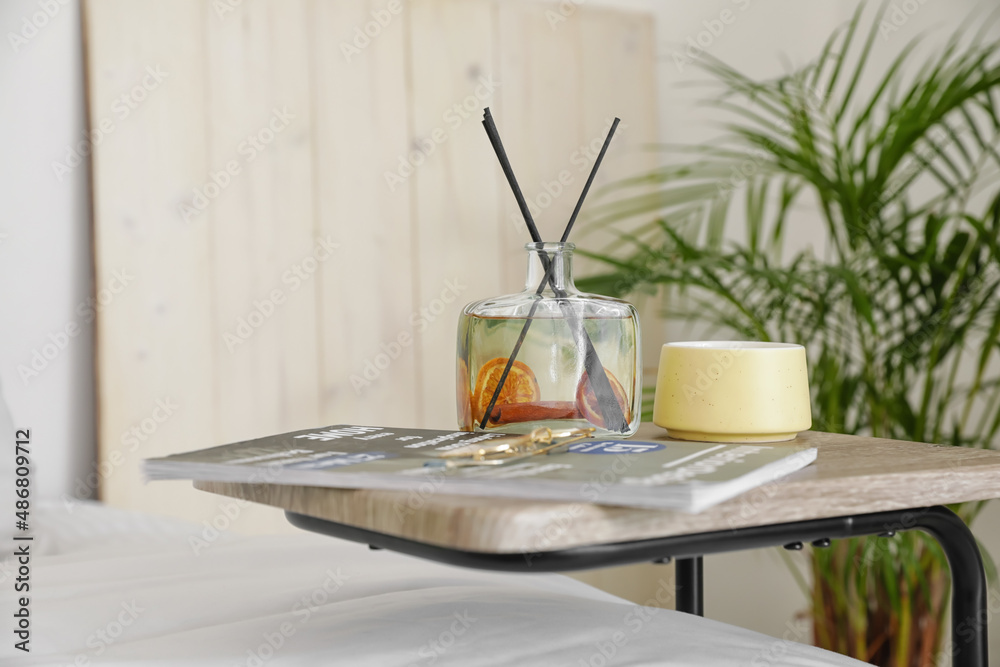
(111, 587)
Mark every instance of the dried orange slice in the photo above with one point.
(520, 386)
(586, 400)
(463, 397)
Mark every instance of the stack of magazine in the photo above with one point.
(657, 474)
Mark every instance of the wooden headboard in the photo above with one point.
(297, 197)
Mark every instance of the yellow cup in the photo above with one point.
(732, 391)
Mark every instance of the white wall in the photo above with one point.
(45, 267)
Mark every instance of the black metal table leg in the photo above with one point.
(689, 585)
(969, 614)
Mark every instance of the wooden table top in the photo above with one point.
(852, 475)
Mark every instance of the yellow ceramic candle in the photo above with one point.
(732, 391)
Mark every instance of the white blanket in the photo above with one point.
(119, 588)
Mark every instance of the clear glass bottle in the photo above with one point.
(555, 334)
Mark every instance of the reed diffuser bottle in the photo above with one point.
(550, 355)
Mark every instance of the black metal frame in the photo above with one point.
(969, 614)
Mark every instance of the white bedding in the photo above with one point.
(119, 588)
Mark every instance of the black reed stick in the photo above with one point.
(590, 179)
(610, 409)
(494, 135)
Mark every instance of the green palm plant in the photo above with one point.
(900, 313)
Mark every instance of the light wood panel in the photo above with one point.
(263, 224)
(230, 315)
(851, 475)
(155, 339)
(367, 294)
(456, 208)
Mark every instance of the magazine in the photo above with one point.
(656, 474)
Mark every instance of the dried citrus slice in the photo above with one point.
(520, 386)
(586, 400)
(463, 397)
